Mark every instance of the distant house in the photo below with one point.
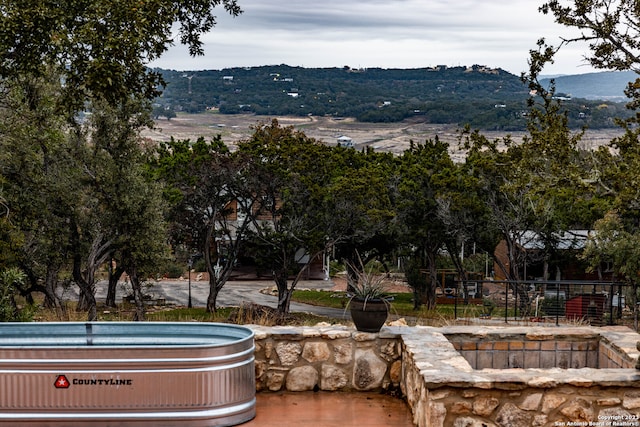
(345, 141)
(235, 214)
(567, 245)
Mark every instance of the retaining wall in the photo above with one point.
(441, 386)
(326, 358)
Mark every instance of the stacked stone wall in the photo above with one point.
(329, 359)
(443, 389)
(556, 406)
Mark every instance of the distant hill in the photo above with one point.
(608, 85)
(482, 97)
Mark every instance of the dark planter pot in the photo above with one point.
(369, 316)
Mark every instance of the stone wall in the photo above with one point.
(443, 389)
(332, 358)
(538, 353)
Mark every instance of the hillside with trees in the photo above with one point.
(484, 98)
(605, 85)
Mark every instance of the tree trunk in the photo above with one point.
(524, 303)
(50, 284)
(87, 295)
(284, 306)
(217, 283)
(114, 276)
(285, 293)
(457, 262)
(212, 298)
(417, 280)
(214, 290)
(634, 301)
(138, 297)
(351, 266)
(432, 282)
(417, 299)
(87, 298)
(284, 298)
(514, 270)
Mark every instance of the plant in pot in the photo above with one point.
(368, 303)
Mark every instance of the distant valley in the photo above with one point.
(389, 137)
(485, 98)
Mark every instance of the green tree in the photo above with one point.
(88, 195)
(102, 48)
(359, 209)
(10, 280)
(612, 32)
(538, 189)
(38, 188)
(560, 189)
(491, 166)
(611, 29)
(129, 223)
(10, 234)
(612, 242)
(285, 169)
(424, 176)
(464, 216)
(207, 195)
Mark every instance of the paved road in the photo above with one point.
(234, 293)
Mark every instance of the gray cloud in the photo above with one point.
(375, 33)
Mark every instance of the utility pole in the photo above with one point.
(190, 265)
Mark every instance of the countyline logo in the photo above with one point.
(63, 382)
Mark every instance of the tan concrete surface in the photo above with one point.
(330, 409)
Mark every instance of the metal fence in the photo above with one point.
(595, 302)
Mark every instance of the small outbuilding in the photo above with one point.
(345, 141)
(586, 306)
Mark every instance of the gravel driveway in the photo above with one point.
(234, 293)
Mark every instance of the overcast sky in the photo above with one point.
(380, 33)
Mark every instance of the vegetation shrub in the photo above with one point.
(9, 311)
(552, 306)
(174, 271)
(200, 265)
(416, 280)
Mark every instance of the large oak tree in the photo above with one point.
(89, 197)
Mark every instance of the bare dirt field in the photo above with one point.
(392, 137)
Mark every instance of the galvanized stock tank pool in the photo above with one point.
(126, 374)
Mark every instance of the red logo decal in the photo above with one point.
(61, 382)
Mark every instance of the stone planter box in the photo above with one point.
(592, 378)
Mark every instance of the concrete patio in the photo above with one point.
(330, 409)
